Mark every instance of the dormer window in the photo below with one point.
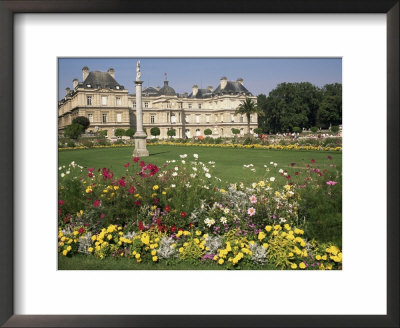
(117, 87)
(89, 85)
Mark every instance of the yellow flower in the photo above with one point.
(220, 261)
(116, 187)
(65, 252)
(181, 250)
(69, 248)
(261, 183)
(324, 257)
(302, 265)
(261, 235)
(268, 228)
(318, 257)
(277, 227)
(294, 266)
(134, 253)
(291, 254)
(90, 249)
(155, 258)
(122, 254)
(155, 187)
(137, 195)
(164, 193)
(198, 233)
(137, 255)
(89, 189)
(287, 187)
(153, 195)
(94, 237)
(153, 252)
(109, 237)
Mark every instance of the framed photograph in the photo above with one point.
(77, 77)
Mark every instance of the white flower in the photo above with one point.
(194, 168)
(208, 175)
(271, 179)
(62, 175)
(68, 172)
(196, 156)
(254, 184)
(223, 219)
(183, 156)
(252, 170)
(272, 163)
(209, 222)
(176, 168)
(205, 169)
(226, 210)
(60, 168)
(211, 162)
(173, 186)
(282, 220)
(285, 173)
(275, 164)
(173, 161)
(183, 162)
(174, 174)
(206, 187)
(193, 175)
(188, 185)
(280, 171)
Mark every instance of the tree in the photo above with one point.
(335, 129)
(129, 132)
(119, 132)
(248, 107)
(296, 129)
(235, 131)
(330, 109)
(103, 133)
(73, 131)
(257, 130)
(83, 121)
(171, 133)
(207, 132)
(314, 129)
(155, 131)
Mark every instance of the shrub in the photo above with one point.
(129, 132)
(103, 133)
(120, 132)
(70, 144)
(296, 129)
(256, 130)
(119, 142)
(171, 133)
(207, 132)
(335, 129)
(235, 131)
(155, 131)
(83, 121)
(87, 143)
(73, 131)
(314, 129)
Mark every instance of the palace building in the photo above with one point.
(109, 106)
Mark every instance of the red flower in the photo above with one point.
(136, 159)
(183, 214)
(61, 202)
(142, 164)
(131, 190)
(126, 165)
(325, 171)
(141, 227)
(167, 209)
(190, 225)
(173, 228)
(292, 164)
(287, 177)
(96, 203)
(122, 182)
(313, 160)
(158, 221)
(102, 216)
(297, 173)
(90, 175)
(81, 230)
(90, 169)
(138, 203)
(329, 157)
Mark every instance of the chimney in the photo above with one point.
(85, 73)
(240, 80)
(195, 89)
(75, 83)
(67, 90)
(223, 82)
(210, 88)
(111, 71)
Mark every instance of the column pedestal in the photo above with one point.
(140, 136)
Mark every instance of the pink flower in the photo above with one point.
(331, 183)
(122, 182)
(131, 190)
(102, 216)
(251, 211)
(253, 199)
(96, 203)
(136, 159)
(61, 202)
(126, 165)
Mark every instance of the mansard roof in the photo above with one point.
(150, 91)
(232, 87)
(202, 93)
(100, 80)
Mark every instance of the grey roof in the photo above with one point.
(100, 80)
(232, 87)
(166, 90)
(150, 91)
(202, 93)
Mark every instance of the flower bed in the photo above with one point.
(180, 212)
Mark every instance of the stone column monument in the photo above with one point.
(140, 136)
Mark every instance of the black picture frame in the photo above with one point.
(7, 10)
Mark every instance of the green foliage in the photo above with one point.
(256, 130)
(207, 132)
(83, 121)
(70, 144)
(155, 131)
(103, 133)
(235, 131)
(129, 132)
(171, 133)
(296, 129)
(335, 129)
(73, 131)
(87, 143)
(330, 111)
(314, 129)
(248, 107)
(120, 132)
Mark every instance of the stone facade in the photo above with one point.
(108, 106)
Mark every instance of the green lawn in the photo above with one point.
(228, 162)
(84, 262)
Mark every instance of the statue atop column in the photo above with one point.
(138, 73)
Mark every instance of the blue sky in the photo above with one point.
(261, 75)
